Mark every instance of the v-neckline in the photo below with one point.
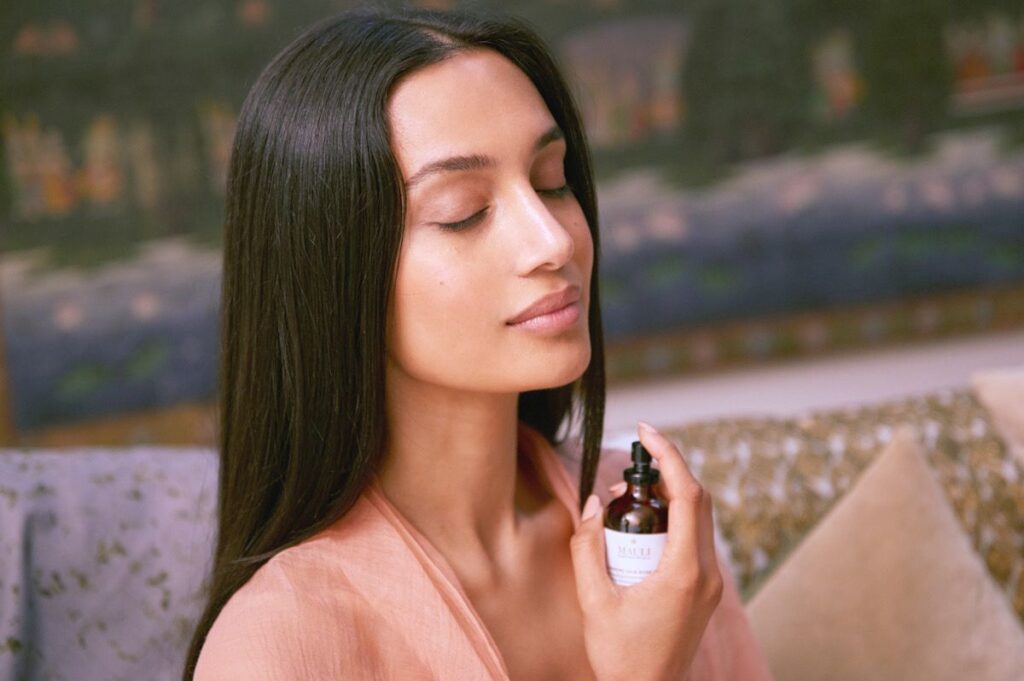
(558, 481)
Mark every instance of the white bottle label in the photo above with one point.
(631, 557)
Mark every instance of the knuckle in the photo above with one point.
(693, 493)
(714, 587)
(596, 601)
(698, 585)
(590, 601)
(688, 583)
(582, 541)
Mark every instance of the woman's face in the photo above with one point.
(486, 235)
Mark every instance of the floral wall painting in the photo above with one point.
(776, 178)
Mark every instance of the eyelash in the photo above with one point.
(557, 193)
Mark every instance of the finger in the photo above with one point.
(706, 534)
(686, 500)
(682, 545)
(677, 480)
(619, 488)
(593, 585)
(708, 552)
(659, 489)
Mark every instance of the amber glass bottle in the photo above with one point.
(636, 524)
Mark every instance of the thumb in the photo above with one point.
(587, 547)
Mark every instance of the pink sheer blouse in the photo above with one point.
(370, 598)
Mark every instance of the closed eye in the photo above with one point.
(557, 192)
(462, 224)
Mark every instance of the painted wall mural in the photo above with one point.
(776, 177)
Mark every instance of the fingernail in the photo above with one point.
(647, 428)
(591, 508)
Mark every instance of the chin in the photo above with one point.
(564, 369)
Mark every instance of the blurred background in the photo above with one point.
(802, 202)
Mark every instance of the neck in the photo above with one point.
(451, 468)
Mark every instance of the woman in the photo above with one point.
(410, 326)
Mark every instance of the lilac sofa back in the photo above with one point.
(104, 556)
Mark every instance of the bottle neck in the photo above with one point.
(640, 492)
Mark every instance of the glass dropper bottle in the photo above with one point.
(636, 523)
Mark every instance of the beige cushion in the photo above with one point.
(1001, 391)
(887, 587)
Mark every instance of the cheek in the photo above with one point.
(426, 292)
(584, 255)
(440, 306)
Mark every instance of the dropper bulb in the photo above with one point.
(640, 455)
(641, 472)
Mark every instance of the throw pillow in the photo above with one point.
(1002, 393)
(888, 587)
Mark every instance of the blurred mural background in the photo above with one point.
(780, 177)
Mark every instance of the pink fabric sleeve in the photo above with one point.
(270, 631)
(729, 651)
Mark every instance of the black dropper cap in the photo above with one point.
(641, 473)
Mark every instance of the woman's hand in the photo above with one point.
(650, 631)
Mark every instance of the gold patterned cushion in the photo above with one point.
(774, 478)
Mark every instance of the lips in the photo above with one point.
(547, 304)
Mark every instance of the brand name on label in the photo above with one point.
(641, 552)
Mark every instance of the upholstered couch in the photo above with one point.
(881, 542)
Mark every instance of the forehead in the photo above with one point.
(477, 102)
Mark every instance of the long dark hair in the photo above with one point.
(314, 221)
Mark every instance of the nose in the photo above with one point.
(542, 241)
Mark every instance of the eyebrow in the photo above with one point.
(476, 161)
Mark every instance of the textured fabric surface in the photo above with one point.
(1002, 393)
(888, 587)
(773, 479)
(370, 598)
(103, 556)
